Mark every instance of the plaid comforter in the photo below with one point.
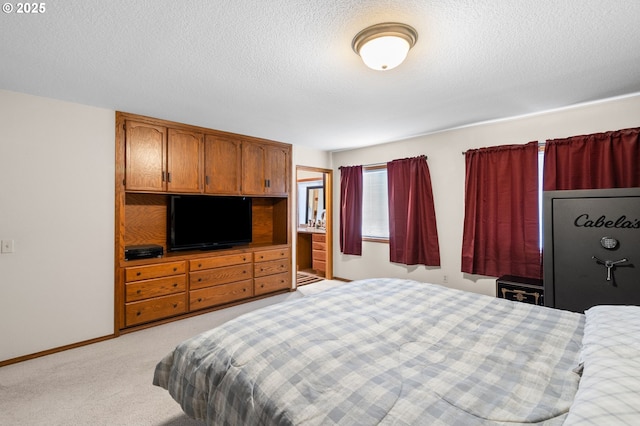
(381, 351)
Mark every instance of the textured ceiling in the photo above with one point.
(284, 69)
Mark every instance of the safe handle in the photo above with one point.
(609, 264)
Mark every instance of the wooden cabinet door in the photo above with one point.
(265, 169)
(184, 161)
(222, 165)
(276, 170)
(145, 147)
(253, 169)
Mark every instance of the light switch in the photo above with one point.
(6, 246)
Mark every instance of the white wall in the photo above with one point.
(303, 156)
(57, 204)
(446, 164)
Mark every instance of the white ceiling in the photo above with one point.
(284, 69)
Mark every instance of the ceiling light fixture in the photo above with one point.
(384, 46)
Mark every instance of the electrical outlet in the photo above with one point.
(6, 246)
(445, 279)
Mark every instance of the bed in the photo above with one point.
(401, 352)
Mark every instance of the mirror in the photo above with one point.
(315, 206)
(311, 185)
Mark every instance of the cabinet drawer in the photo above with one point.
(319, 265)
(272, 283)
(216, 262)
(318, 238)
(146, 289)
(318, 255)
(267, 255)
(218, 276)
(270, 268)
(220, 294)
(319, 246)
(154, 309)
(137, 273)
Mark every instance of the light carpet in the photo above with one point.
(109, 383)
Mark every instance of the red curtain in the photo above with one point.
(598, 161)
(413, 237)
(501, 212)
(351, 210)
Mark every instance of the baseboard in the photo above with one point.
(55, 350)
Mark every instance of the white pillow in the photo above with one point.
(608, 393)
(609, 389)
(611, 330)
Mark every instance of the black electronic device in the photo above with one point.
(145, 251)
(200, 222)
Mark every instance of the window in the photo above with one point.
(375, 206)
(540, 191)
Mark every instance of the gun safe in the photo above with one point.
(591, 248)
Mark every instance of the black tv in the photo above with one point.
(200, 222)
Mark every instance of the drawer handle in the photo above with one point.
(261, 285)
(244, 289)
(139, 291)
(199, 265)
(199, 279)
(175, 285)
(138, 313)
(199, 299)
(175, 269)
(138, 274)
(175, 305)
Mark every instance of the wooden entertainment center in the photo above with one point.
(156, 159)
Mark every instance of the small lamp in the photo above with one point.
(384, 46)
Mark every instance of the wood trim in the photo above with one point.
(118, 317)
(56, 350)
(376, 240)
(329, 226)
(328, 193)
(375, 167)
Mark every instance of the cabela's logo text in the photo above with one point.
(584, 221)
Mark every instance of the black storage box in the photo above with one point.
(521, 289)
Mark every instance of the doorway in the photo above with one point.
(314, 233)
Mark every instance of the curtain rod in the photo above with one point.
(384, 163)
(539, 145)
